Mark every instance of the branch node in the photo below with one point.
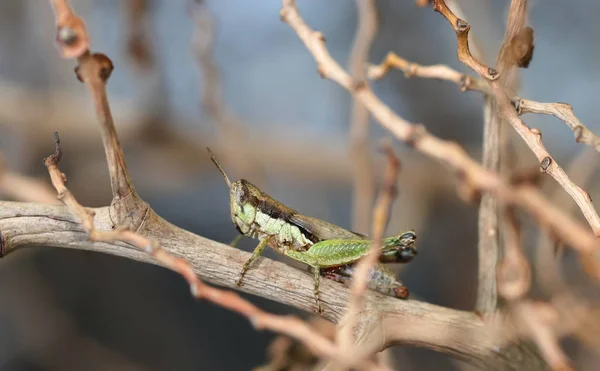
(578, 131)
(321, 71)
(465, 82)
(106, 66)
(283, 15)
(492, 73)
(319, 35)
(415, 133)
(462, 26)
(517, 102)
(411, 70)
(66, 36)
(359, 85)
(545, 164)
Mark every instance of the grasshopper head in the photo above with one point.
(244, 202)
(399, 249)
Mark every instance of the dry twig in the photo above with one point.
(380, 220)
(448, 153)
(561, 111)
(363, 179)
(22, 188)
(532, 137)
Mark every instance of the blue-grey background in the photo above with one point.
(79, 310)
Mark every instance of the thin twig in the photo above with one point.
(139, 46)
(532, 137)
(360, 278)
(231, 130)
(447, 153)
(561, 111)
(23, 188)
(287, 325)
(363, 179)
(94, 70)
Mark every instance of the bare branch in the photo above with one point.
(532, 137)
(21, 188)
(561, 111)
(448, 153)
(564, 112)
(459, 334)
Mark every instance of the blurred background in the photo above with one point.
(232, 76)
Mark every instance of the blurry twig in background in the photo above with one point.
(380, 218)
(362, 163)
(231, 131)
(139, 46)
(21, 188)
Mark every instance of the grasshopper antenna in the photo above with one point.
(214, 160)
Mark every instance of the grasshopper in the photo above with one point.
(330, 250)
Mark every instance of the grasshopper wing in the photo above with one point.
(323, 230)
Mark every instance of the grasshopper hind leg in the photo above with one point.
(255, 254)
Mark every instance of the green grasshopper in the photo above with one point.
(330, 250)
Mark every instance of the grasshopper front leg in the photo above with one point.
(255, 254)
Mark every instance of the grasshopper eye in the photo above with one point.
(410, 235)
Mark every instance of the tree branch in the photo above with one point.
(561, 111)
(456, 333)
(447, 153)
(532, 137)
